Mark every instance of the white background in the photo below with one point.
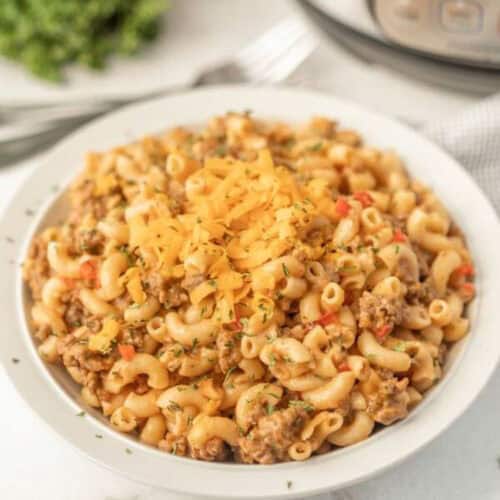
(460, 465)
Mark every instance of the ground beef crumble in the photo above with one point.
(390, 402)
(75, 353)
(36, 270)
(269, 440)
(228, 351)
(376, 311)
(420, 293)
(214, 450)
(174, 444)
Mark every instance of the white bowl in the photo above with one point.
(54, 397)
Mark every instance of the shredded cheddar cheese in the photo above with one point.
(101, 341)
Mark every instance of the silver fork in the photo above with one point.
(271, 58)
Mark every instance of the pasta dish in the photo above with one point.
(253, 291)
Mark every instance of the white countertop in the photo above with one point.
(462, 464)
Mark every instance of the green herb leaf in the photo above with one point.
(228, 374)
(400, 347)
(316, 147)
(286, 272)
(299, 403)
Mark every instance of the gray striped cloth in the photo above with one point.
(473, 138)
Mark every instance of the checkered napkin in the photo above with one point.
(473, 138)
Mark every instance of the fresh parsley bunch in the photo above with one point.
(46, 35)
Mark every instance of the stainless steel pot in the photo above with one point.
(462, 31)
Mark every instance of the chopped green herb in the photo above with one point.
(289, 484)
(220, 150)
(270, 409)
(15, 360)
(98, 436)
(174, 449)
(228, 374)
(212, 283)
(400, 347)
(128, 451)
(298, 403)
(272, 359)
(396, 249)
(80, 414)
(173, 406)
(371, 357)
(29, 212)
(8, 239)
(286, 272)
(273, 395)
(316, 147)
(195, 343)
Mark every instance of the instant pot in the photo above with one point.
(455, 43)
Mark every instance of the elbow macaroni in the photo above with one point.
(251, 291)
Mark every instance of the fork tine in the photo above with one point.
(269, 46)
(290, 61)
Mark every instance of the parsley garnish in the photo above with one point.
(270, 409)
(80, 414)
(400, 347)
(220, 150)
(195, 343)
(228, 374)
(273, 395)
(128, 451)
(286, 272)
(173, 406)
(316, 147)
(15, 360)
(396, 249)
(298, 403)
(212, 283)
(272, 360)
(98, 436)
(289, 484)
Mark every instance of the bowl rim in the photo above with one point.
(145, 464)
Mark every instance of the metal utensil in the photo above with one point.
(271, 58)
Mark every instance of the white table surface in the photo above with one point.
(462, 464)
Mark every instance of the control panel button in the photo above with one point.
(407, 9)
(461, 16)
